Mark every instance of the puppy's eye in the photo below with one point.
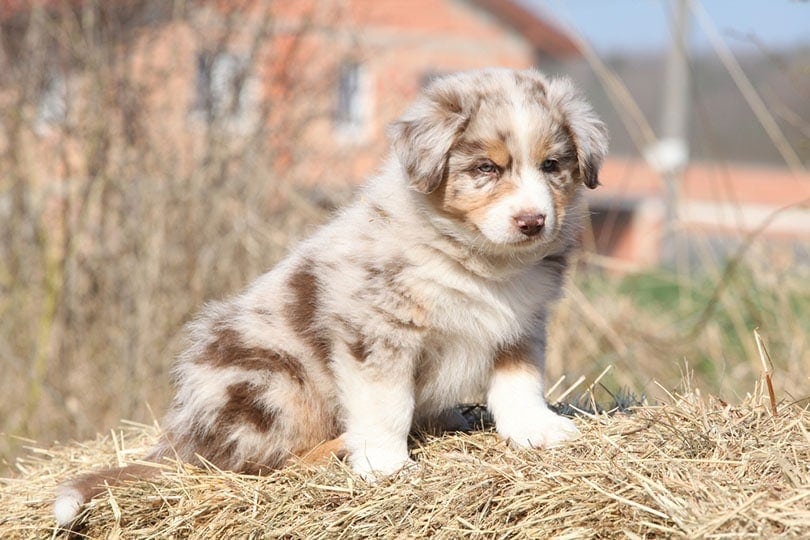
(550, 166)
(487, 167)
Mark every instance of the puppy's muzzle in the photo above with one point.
(530, 224)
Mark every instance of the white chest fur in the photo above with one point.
(471, 319)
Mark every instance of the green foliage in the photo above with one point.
(655, 321)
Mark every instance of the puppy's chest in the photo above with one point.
(473, 310)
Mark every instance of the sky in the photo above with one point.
(616, 26)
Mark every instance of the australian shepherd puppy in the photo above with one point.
(435, 285)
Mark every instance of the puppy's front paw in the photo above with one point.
(543, 428)
(372, 466)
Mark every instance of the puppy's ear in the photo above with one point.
(588, 133)
(423, 136)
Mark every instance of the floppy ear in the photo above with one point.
(588, 133)
(423, 136)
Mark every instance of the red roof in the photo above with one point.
(633, 179)
(542, 35)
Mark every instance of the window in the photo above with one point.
(353, 101)
(52, 103)
(225, 90)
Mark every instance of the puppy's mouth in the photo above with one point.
(528, 241)
(521, 241)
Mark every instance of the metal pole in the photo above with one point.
(672, 150)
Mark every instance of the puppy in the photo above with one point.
(435, 285)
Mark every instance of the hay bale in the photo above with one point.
(693, 467)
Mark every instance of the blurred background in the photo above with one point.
(155, 154)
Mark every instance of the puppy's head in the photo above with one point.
(501, 153)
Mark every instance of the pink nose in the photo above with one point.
(530, 224)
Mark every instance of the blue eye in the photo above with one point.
(550, 166)
(487, 168)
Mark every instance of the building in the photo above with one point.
(316, 82)
(384, 51)
(321, 79)
(719, 206)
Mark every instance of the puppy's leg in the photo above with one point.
(377, 394)
(515, 399)
(323, 452)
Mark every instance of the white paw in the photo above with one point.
(373, 465)
(542, 428)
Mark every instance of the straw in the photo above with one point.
(692, 467)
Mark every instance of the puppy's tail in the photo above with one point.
(75, 493)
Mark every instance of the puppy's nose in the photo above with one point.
(530, 224)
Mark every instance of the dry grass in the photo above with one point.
(692, 467)
(91, 302)
(142, 200)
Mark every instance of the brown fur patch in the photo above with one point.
(358, 349)
(301, 313)
(515, 356)
(470, 147)
(228, 350)
(212, 443)
(215, 442)
(242, 407)
(498, 152)
(561, 198)
(586, 171)
(472, 207)
(357, 346)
